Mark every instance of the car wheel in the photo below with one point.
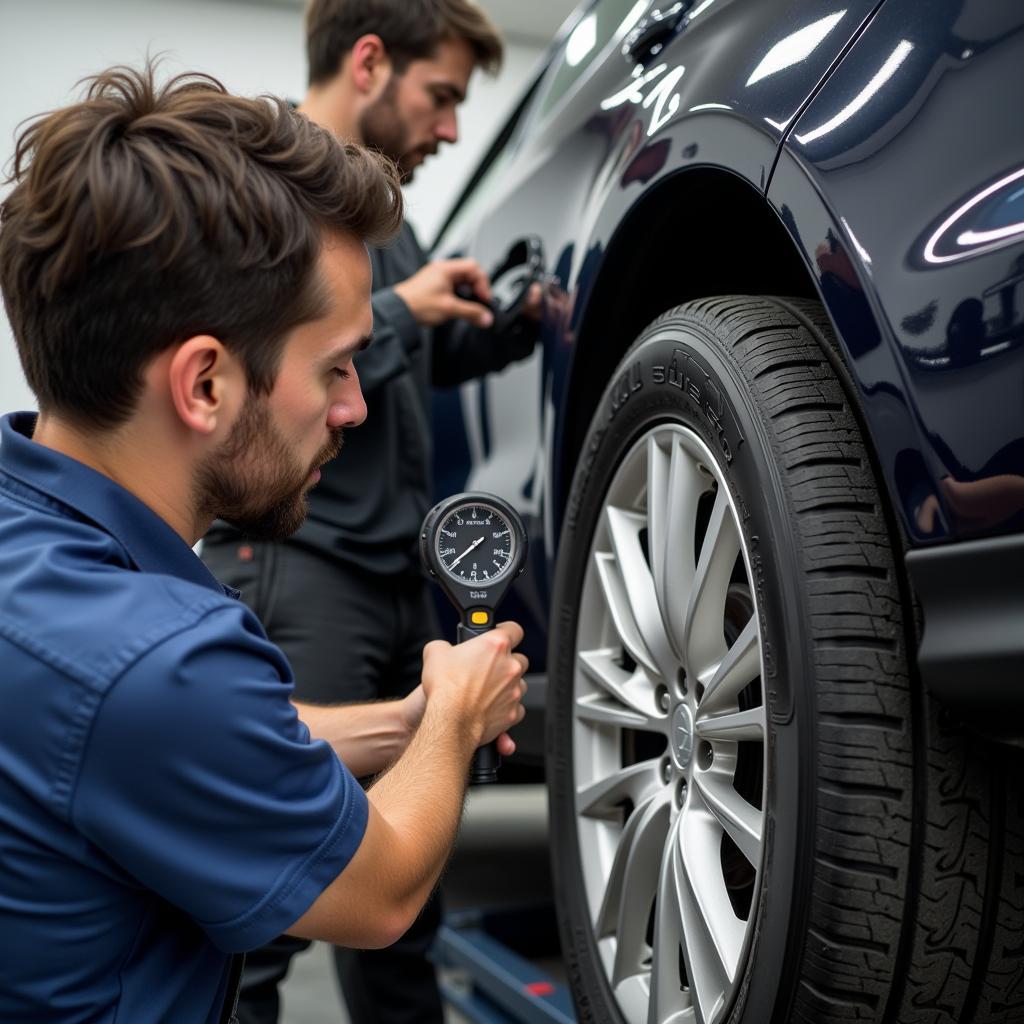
(757, 815)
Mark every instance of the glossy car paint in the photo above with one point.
(915, 143)
(858, 130)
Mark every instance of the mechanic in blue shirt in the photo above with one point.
(187, 279)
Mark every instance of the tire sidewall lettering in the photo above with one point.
(686, 371)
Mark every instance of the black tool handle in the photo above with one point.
(486, 760)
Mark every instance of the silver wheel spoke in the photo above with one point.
(712, 934)
(633, 997)
(624, 528)
(658, 464)
(741, 820)
(617, 599)
(631, 689)
(705, 613)
(669, 1003)
(602, 711)
(674, 487)
(636, 783)
(736, 725)
(607, 916)
(633, 884)
(740, 667)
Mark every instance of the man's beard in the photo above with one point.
(253, 480)
(381, 127)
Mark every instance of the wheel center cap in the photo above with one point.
(681, 740)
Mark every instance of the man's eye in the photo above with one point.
(341, 373)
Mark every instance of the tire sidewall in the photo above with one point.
(680, 372)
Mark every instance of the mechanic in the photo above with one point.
(389, 74)
(187, 280)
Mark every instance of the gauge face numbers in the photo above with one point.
(475, 544)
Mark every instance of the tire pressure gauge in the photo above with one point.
(474, 545)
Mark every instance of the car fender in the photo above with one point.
(903, 186)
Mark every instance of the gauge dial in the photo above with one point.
(475, 544)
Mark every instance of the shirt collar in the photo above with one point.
(149, 540)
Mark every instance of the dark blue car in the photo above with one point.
(771, 457)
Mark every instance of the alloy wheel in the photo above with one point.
(669, 734)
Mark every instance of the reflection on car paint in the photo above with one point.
(861, 251)
(700, 9)
(980, 327)
(647, 163)
(844, 294)
(861, 100)
(795, 48)
(657, 29)
(664, 100)
(991, 218)
(661, 97)
(582, 40)
(634, 92)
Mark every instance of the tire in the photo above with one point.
(756, 813)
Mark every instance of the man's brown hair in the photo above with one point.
(410, 30)
(145, 214)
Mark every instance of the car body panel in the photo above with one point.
(915, 144)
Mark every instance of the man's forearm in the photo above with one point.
(366, 737)
(422, 797)
(413, 820)
(475, 691)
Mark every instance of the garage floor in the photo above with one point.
(500, 860)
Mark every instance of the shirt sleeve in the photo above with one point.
(202, 783)
(463, 352)
(396, 336)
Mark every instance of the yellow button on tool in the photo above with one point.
(480, 618)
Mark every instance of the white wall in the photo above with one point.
(46, 46)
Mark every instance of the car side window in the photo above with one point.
(598, 26)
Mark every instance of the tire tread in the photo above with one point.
(888, 942)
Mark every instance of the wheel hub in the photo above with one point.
(681, 741)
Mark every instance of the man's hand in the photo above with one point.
(430, 293)
(533, 307)
(479, 683)
(412, 708)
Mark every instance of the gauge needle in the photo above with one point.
(475, 544)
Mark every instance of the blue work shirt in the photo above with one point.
(161, 804)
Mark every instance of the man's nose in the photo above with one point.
(447, 128)
(349, 409)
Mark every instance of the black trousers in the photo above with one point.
(349, 635)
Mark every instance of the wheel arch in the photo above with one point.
(671, 249)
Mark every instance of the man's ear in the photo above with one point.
(370, 66)
(203, 379)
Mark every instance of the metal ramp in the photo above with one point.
(493, 966)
